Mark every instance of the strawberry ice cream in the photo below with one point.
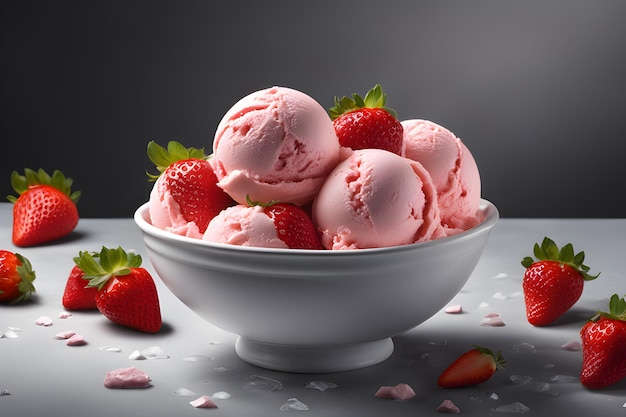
(452, 168)
(244, 226)
(165, 212)
(274, 144)
(375, 198)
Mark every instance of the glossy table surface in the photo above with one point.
(41, 375)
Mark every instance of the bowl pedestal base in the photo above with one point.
(313, 359)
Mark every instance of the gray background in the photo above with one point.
(535, 88)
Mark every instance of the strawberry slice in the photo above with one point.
(362, 123)
(16, 277)
(471, 368)
(603, 342)
(553, 282)
(127, 294)
(45, 209)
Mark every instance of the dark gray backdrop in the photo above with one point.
(535, 88)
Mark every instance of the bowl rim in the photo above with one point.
(141, 218)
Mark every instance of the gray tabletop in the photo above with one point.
(41, 375)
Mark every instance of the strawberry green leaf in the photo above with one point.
(549, 251)
(58, 180)
(25, 286)
(163, 158)
(98, 268)
(616, 311)
(375, 98)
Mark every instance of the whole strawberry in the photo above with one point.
(553, 282)
(188, 177)
(127, 294)
(604, 346)
(16, 277)
(45, 209)
(293, 224)
(362, 123)
(471, 368)
(77, 294)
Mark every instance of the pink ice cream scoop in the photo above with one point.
(274, 144)
(375, 198)
(165, 212)
(453, 170)
(244, 226)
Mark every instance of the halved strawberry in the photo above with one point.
(362, 123)
(77, 294)
(45, 209)
(127, 294)
(189, 177)
(554, 282)
(604, 346)
(471, 368)
(16, 277)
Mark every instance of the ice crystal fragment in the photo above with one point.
(513, 408)
(154, 352)
(110, 349)
(564, 378)
(221, 395)
(499, 296)
(184, 392)
(320, 385)
(222, 369)
(483, 305)
(485, 396)
(203, 402)
(525, 347)
(261, 383)
(198, 358)
(9, 334)
(64, 315)
(4, 392)
(294, 404)
(438, 343)
(501, 275)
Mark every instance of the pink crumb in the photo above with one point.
(43, 321)
(398, 392)
(492, 320)
(203, 402)
(127, 378)
(65, 334)
(447, 406)
(454, 309)
(76, 340)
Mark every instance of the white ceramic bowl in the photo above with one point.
(315, 311)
